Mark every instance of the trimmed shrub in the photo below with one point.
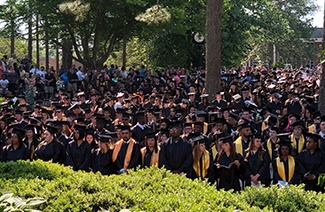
(144, 190)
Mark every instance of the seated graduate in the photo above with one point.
(203, 167)
(78, 150)
(126, 153)
(101, 158)
(16, 150)
(150, 153)
(285, 166)
(312, 162)
(31, 140)
(50, 148)
(176, 154)
(229, 166)
(256, 163)
(297, 137)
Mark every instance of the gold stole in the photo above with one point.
(154, 157)
(281, 170)
(311, 129)
(214, 152)
(205, 165)
(205, 128)
(269, 148)
(239, 145)
(128, 155)
(264, 126)
(301, 142)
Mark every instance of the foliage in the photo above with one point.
(154, 15)
(10, 203)
(144, 190)
(278, 65)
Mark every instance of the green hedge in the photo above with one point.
(144, 190)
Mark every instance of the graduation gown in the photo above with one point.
(51, 151)
(296, 172)
(228, 178)
(254, 165)
(312, 164)
(135, 156)
(176, 156)
(149, 158)
(11, 154)
(102, 162)
(78, 156)
(205, 167)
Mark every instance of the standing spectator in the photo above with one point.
(30, 90)
(26, 62)
(12, 77)
(4, 83)
(12, 60)
(4, 64)
(50, 83)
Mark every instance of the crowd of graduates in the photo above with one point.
(263, 128)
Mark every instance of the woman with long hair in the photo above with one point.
(50, 148)
(202, 161)
(78, 150)
(150, 153)
(31, 140)
(256, 163)
(229, 166)
(101, 158)
(16, 150)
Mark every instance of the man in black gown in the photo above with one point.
(176, 154)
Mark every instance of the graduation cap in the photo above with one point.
(200, 113)
(81, 94)
(52, 129)
(298, 124)
(125, 127)
(284, 137)
(164, 132)
(90, 131)
(79, 126)
(19, 132)
(236, 97)
(201, 139)
(74, 106)
(234, 115)
(119, 95)
(315, 137)
(126, 115)
(243, 125)
(316, 114)
(151, 134)
(204, 96)
(120, 110)
(227, 139)
(20, 112)
(174, 123)
(104, 137)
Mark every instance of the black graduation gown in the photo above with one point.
(138, 133)
(210, 171)
(64, 140)
(22, 125)
(296, 176)
(254, 165)
(312, 164)
(78, 156)
(11, 154)
(176, 157)
(31, 147)
(52, 151)
(102, 162)
(147, 159)
(229, 178)
(135, 156)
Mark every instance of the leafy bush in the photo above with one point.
(144, 190)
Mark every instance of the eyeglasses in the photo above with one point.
(173, 129)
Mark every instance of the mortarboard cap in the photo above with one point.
(19, 132)
(52, 129)
(125, 127)
(104, 137)
(151, 134)
(227, 139)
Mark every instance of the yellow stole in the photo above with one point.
(239, 146)
(214, 152)
(281, 170)
(301, 142)
(205, 165)
(269, 148)
(154, 157)
(205, 128)
(128, 155)
(311, 129)
(264, 126)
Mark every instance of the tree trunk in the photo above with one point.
(67, 54)
(213, 46)
(321, 105)
(124, 53)
(30, 32)
(37, 41)
(12, 36)
(47, 54)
